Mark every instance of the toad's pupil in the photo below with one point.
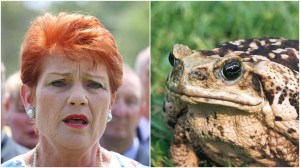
(232, 70)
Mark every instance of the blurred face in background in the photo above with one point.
(126, 109)
(142, 68)
(21, 126)
(2, 95)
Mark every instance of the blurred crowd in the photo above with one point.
(128, 133)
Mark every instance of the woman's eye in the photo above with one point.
(58, 83)
(95, 85)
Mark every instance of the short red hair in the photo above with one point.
(74, 36)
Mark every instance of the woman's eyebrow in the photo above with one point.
(58, 73)
(93, 75)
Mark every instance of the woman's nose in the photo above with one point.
(77, 96)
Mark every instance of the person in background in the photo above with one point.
(142, 66)
(16, 118)
(120, 134)
(70, 70)
(9, 148)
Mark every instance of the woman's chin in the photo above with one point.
(74, 140)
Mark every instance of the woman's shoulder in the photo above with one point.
(118, 160)
(17, 161)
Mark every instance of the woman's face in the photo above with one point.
(72, 102)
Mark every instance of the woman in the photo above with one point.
(71, 70)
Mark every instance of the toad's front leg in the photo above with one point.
(182, 153)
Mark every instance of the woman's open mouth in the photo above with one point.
(76, 121)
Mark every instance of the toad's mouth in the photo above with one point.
(235, 100)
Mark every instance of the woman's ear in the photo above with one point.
(25, 92)
(112, 100)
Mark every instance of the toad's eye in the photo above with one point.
(58, 83)
(232, 69)
(94, 85)
(173, 61)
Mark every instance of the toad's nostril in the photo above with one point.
(198, 75)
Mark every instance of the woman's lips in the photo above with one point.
(76, 121)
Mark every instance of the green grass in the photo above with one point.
(204, 25)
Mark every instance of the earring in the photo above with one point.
(109, 116)
(31, 112)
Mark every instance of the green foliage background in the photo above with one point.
(127, 21)
(204, 25)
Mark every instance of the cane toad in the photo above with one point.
(237, 103)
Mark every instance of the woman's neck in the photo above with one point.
(59, 156)
(52, 155)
